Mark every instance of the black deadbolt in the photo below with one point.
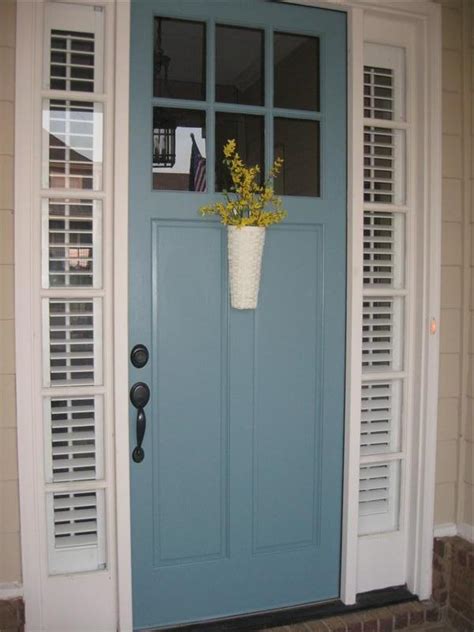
(139, 356)
(139, 394)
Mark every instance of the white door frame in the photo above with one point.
(427, 17)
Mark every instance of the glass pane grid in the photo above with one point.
(267, 98)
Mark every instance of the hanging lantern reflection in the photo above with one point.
(164, 130)
(164, 144)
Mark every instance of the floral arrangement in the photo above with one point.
(247, 203)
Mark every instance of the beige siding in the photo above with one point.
(10, 566)
(467, 514)
(454, 468)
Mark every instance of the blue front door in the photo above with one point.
(236, 506)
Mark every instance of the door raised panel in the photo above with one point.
(189, 386)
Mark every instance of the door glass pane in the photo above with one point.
(179, 64)
(297, 142)
(247, 130)
(239, 65)
(296, 67)
(179, 149)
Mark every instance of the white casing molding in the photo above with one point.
(355, 219)
(121, 381)
(83, 601)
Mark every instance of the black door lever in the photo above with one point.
(139, 396)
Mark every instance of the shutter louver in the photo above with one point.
(378, 497)
(380, 417)
(74, 329)
(72, 61)
(379, 165)
(75, 519)
(374, 489)
(380, 349)
(75, 439)
(76, 530)
(71, 243)
(382, 249)
(378, 93)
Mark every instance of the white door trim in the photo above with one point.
(121, 381)
(28, 352)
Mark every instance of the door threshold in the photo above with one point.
(296, 614)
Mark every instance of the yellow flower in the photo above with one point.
(248, 203)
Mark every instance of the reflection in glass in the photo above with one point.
(179, 59)
(239, 76)
(296, 67)
(297, 142)
(179, 164)
(247, 130)
(72, 145)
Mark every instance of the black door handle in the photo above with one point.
(139, 396)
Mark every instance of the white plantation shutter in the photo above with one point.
(71, 242)
(382, 443)
(72, 144)
(73, 438)
(380, 417)
(379, 485)
(74, 48)
(72, 61)
(383, 249)
(72, 342)
(379, 93)
(381, 340)
(76, 531)
(384, 176)
(73, 292)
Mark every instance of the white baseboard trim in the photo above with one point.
(466, 531)
(448, 529)
(11, 590)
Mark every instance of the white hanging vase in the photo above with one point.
(245, 249)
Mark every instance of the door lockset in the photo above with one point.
(139, 356)
(140, 396)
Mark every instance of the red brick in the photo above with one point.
(400, 621)
(417, 617)
(433, 614)
(439, 547)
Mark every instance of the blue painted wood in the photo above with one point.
(237, 505)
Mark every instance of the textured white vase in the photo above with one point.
(245, 249)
